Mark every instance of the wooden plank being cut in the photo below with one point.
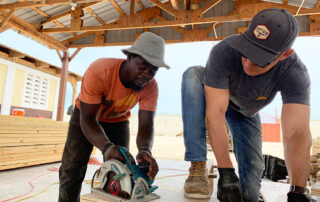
(165, 196)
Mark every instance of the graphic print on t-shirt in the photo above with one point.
(263, 94)
(114, 109)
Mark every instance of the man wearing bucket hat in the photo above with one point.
(242, 75)
(110, 89)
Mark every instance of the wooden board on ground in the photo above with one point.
(165, 196)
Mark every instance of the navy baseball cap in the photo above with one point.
(270, 33)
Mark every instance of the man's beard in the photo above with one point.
(135, 87)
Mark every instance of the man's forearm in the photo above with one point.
(297, 156)
(145, 138)
(94, 133)
(219, 141)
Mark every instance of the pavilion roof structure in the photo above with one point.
(64, 24)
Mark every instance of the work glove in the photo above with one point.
(298, 197)
(144, 158)
(229, 189)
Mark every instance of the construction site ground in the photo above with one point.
(40, 183)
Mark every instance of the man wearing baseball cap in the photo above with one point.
(242, 75)
(110, 89)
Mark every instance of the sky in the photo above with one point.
(179, 57)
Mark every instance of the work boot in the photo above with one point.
(197, 184)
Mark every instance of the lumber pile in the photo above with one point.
(314, 178)
(26, 141)
(316, 146)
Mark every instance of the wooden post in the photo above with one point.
(63, 85)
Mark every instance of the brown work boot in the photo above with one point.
(197, 184)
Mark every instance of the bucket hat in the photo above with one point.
(150, 47)
(270, 33)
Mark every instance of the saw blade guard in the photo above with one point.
(121, 175)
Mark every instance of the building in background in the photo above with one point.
(29, 84)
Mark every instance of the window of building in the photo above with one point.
(36, 90)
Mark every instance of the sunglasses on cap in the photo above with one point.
(266, 64)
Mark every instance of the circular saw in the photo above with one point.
(124, 181)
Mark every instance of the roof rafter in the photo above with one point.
(37, 3)
(194, 17)
(63, 14)
(7, 17)
(31, 31)
(175, 4)
(165, 7)
(140, 23)
(209, 5)
(89, 10)
(116, 6)
(132, 5)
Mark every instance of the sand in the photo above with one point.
(168, 141)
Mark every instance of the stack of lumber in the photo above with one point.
(26, 141)
(316, 146)
(315, 188)
(314, 178)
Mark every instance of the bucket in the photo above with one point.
(17, 112)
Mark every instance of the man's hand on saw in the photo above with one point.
(146, 156)
(229, 189)
(113, 153)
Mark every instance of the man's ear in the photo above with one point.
(130, 57)
(286, 54)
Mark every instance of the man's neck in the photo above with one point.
(123, 74)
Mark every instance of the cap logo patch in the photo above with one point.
(261, 32)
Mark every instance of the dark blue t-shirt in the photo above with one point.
(249, 94)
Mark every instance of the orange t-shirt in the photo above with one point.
(101, 85)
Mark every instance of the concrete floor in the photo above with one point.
(40, 183)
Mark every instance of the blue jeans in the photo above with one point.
(246, 133)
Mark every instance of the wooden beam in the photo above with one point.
(63, 85)
(247, 11)
(140, 4)
(32, 32)
(164, 7)
(7, 17)
(38, 3)
(175, 4)
(178, 29)
(76, 21)
(132, 4)
(187, 4)
(41, 64)
(59, 24)
(15, 54)
(318, 4)
(95, 15)
(4, 28)
(40, 12)
(59, 54)
(139, 23)
(115, 5)
(73, 81)
(209, 5)
(68, 41)
(63, 14)
(74, 54)
(184, 40)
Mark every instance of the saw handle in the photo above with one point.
(144, 166)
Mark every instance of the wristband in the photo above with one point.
(145, 149)
(105, 147)
(297, 189)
